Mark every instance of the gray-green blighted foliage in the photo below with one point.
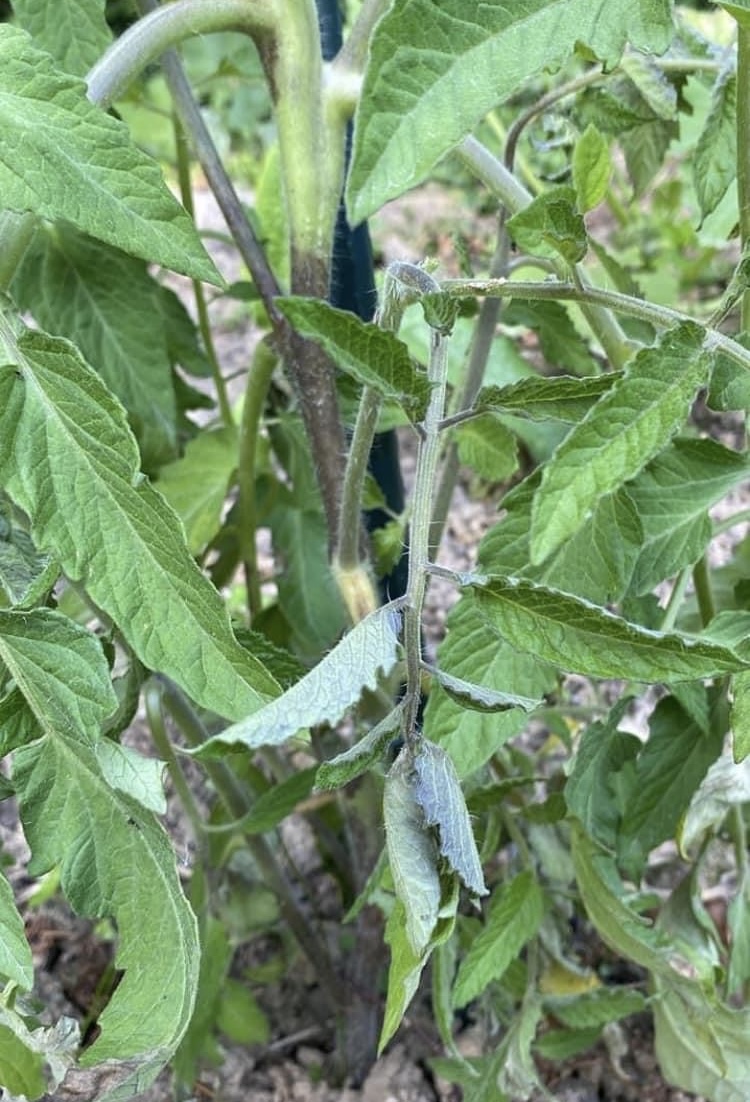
(64, 158)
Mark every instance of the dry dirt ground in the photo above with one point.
(70, 958)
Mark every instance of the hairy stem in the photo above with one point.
(743, 151)
(256, 389)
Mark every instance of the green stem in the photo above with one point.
(675, 600)
(741, 517)
(233, 797)
(703, 594)
(166, 26)
(16, 232)
(152, 698)
(661, 316)
(743, 151)
(204, 325)
(350, 527)
(353, 54)
(424, 480)
(256, 390)
(592, 76)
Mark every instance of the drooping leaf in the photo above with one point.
(102, 300)
(16, 964)
(373, 356)
(410, 112)
(715, 160)
(196, 484)
(628, 426)
(59, 667)
(438, 792)
(672, 496)
(115, 861)
(60, 150)
(480, 698)
(34, 1059)
(360, 757)
(576, 635)
(472, 652)
(592, 168)
(591, 789)
(75, 32)
(69, 461)
(26, 576)
(668, 771)
(725, 785)
(326, 693)
(551, 226)
(563, 398)
(412, 854)
(596, 563)
(488, 447)
(514, 916)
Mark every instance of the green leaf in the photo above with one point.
(479, 698)
(652, 84)
(741, 715)
(738, 9)
(69, 461)
(624, 430)
(275, 804)
(560, 342)
(360, 757)
(59, 667)
(551, 226)
(645, 148)
(725, 785)
(596, 563)
(130, 772)
(60, 151)
(240, 1017)
(597, 1007)
(215, 959)
(373, 356)
(438, 792)
(592, 168)
(18, 726)
(672, 496)
(472, 652)
(435, 70)
(591, 788)
(26, 576)
(196, 485)
(563, 398)
(513, 918)
(326, 693)
(715, 159)
(115, 861)
(738, 916)
(668, 771)
(75, 32)
(729, 387)
(412, 854)
(490, 449)
(16, 964)
(103, 301)
(561, 1044)
(576, 635)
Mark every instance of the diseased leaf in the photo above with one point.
(69, 461)
(196, 484)
(16, 964)
(513, 918)
(551, 226)
(672, 496)
(576, 635)
(562, 398)
(103, 300)
(60, 151)
(668, 771)
(592, 168)
(623, 431)
(438, 792)
(373, 356)
(480, 698)
(412, 854)
(715, 159)
(409, 113)
(488, 447)
(472, 651)
(326, 693)
(360, 757)
(75, 32)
